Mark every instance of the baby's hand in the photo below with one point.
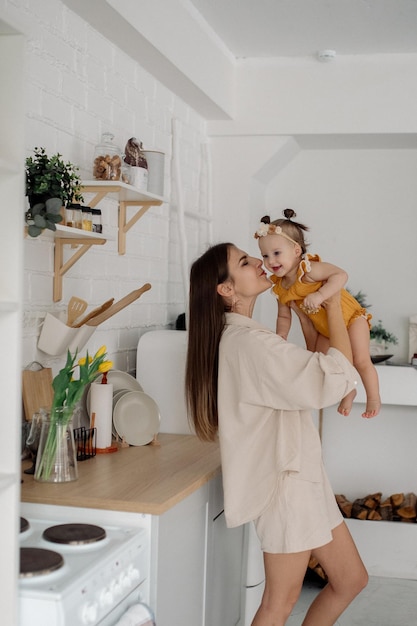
(313, 302)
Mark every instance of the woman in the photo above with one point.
(255, 390)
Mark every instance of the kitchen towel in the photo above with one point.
(101, 403)
(137, 615)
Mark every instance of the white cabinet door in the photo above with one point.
(224, 591)
(179, 571)
(225, 559)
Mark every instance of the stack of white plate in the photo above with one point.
(136, 418)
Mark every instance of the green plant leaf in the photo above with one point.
(40, 221)
(37, 209)
(53, 218)
(53, 206)
(34, 231)
(50, 225)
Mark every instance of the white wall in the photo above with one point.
(359, 203)
(79, 84)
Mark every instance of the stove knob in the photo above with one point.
(105, 597)
(89, 613)
(125, 580)
(133, 573)
(116, 588)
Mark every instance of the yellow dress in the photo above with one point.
(299, 290)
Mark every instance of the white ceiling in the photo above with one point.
(300, 28)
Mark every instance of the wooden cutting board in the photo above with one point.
(37, 390)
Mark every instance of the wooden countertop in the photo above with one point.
(144, 479)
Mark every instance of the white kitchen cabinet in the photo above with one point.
(196, 566)
(11, 251)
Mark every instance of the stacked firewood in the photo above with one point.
(399, 507)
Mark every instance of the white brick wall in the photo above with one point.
(78, 85)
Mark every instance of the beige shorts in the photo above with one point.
(300, 517)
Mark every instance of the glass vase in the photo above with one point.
(56, 461)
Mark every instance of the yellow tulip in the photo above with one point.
(100, 352)
(105, 366)
(82, 361)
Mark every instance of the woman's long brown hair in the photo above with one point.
(205, 326)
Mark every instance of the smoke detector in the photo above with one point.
(326, 55)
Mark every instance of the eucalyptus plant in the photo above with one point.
(50, 184)
(43, 215)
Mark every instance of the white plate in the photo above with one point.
(120, 380)
(116, 397)
(136, 418)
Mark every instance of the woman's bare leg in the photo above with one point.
(346, 574)
(359, 339)
(284, 575)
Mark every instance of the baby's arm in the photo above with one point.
(283, 320)
(333, 278)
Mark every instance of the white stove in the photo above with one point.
(91, 580)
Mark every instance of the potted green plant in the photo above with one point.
(379, 336)
(51, 184)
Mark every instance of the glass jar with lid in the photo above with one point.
(73, 216)
(107, 159)
(87, 218)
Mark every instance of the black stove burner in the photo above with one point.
(74, 534)
(37, 562)
(24, 524)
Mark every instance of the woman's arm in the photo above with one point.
(339, 337)
(283, 320)
(309, 332)
(334, 279)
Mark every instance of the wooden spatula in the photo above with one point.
(100, 309)
(76, 307)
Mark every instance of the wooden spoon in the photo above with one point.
(93, 313)
(76, 307)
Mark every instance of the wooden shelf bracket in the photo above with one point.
(124, 225)
(61, 268)
(127, 196)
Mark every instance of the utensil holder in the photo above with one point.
(56, 337)
(85, 442)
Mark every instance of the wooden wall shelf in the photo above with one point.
(127, 195)
(82, 240)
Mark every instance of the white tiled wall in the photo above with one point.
(77, 85)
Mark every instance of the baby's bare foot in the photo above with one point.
(372, 408)
(345, 405)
